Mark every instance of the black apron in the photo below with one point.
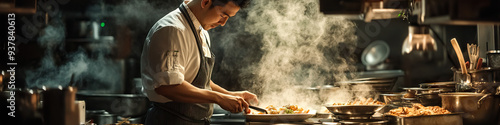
(177, 113)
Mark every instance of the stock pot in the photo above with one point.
(476, 108)
(466, 82)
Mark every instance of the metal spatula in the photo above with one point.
(258, 109)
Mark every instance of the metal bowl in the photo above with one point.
(375, 85)
(354, 109)
(392, 98)
(432, 99)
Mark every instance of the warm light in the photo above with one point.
(418, 40)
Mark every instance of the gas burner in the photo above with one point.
(347, 117)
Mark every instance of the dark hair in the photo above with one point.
(240, 3)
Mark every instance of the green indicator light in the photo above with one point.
(102, 24)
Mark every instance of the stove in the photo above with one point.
(242, 121)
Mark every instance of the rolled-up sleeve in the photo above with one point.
(164, 66)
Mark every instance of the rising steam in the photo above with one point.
(299, 47)
(91, 67)
(276, 48)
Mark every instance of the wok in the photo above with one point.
(354, 109)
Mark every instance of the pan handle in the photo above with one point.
(480, 101)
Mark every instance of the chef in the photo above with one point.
(176, 65)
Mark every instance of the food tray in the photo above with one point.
(279, 117)
(444, 119)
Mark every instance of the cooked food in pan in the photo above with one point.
(362, 101)
(287, 109)
(418, 110)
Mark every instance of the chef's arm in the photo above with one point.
(188, 93)
(248, 96)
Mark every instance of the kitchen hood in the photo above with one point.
(449, 12)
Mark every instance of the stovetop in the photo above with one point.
(239, 121)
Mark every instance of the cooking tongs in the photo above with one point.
(258, 109)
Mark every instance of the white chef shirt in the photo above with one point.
(171, 33)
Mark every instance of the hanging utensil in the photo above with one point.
(473, 51)
(479, 63)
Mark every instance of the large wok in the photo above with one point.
(125, 105)
(353, 109)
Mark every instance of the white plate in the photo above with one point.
(279, 117)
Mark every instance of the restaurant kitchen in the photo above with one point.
(78, 61)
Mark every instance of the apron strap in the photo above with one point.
(196, 35)
(186, 15)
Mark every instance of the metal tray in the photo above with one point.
(444, 119)
(279, 117)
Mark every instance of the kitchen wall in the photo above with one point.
(270, 44)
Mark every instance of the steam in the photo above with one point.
(91, 64)
(294, 38)
(277, 49)
(142, 13)
(91, 67)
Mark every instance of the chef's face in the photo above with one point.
(218, 15)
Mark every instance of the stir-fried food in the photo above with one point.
(362, 101)
(287, 109)
(418, 110)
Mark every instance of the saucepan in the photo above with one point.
(477, 108)
(101, 117)
(428, 96)
(392, 98)
(485, 74)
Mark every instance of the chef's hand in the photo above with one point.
(234, 104)
(248, 96)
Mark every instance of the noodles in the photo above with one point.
(418, 110)
(362, 101)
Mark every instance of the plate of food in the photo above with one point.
(286, 113)
(356, 107)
